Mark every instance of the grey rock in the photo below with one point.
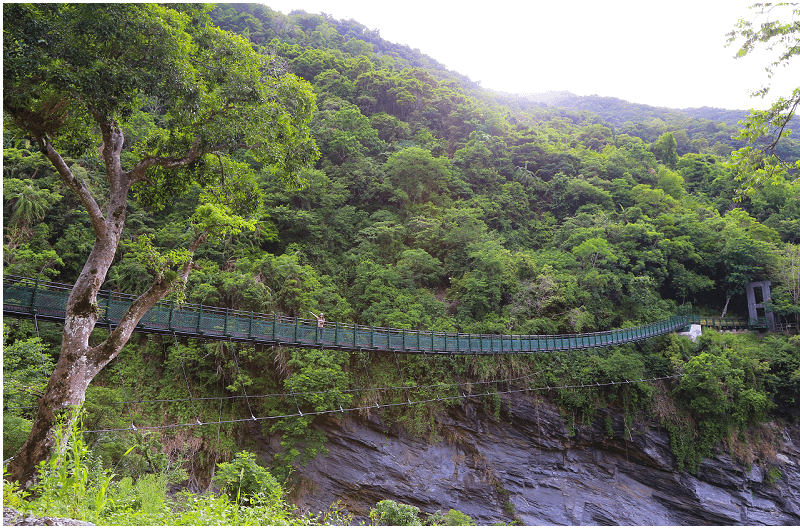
(14, 517)
(528, 468)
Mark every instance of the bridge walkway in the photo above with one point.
(28, 298)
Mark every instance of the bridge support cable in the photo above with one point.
(334, 389)
(45, 372)
(291, 391)
(402, 381)
(122, 380)
(186, 379)
(426, 363)
(421, 401)
(366, 370)
(125, 393)
(459, 389)
(239, 371)
(573, 377)
(219, 429)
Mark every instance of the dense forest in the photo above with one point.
(434, 204)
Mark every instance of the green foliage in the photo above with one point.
(389, 512)
(417, 176)
(15, 431)
(744, 260)
(26, 261)
(763, 160)
(144, 457)
(244, 478)
(455, 517)
(73, 485)
(70, 483)
(783, 382)
(773, 475)
(665, 150)
(28, 205)
(27, 366)
(13, 495)
(318, 383)
(723, 391)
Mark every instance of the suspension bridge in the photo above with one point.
(29, 298)
(37, 299)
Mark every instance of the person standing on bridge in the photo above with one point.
(320, 323)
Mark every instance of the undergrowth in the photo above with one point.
(73, 484)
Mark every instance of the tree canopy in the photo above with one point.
(76, 78)
(763, 159)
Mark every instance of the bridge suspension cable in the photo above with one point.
(390, 404)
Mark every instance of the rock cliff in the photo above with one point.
(531, 468)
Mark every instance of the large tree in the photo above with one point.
(776, 27)
(72, 75)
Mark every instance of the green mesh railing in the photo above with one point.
(24, 297)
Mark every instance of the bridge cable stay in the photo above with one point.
(41, 347)
(360, 408)
(437, 386)
(469, 385)
(400, 372)
(122, 380)
(239, 371)
(456, 385)
(188, 389)
(452, 386)
(366, 370)
(334, 389)
(219, 428)
(571, 362)
(291, 390)
(484, 383)
(536, 405)
(494, 357)
(316, 393)
(540, 371)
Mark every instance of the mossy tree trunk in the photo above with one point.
(79, 362)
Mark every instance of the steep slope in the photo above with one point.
(530, 466)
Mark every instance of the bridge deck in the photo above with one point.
(26, 298)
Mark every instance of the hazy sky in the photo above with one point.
(661, 53)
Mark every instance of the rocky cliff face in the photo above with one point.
(531, 468)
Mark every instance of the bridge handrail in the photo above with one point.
(47, 300)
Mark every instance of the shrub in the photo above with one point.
(15, 431)
(388, 512)
(455, 517)
(244, 478)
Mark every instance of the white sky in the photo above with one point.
(660, 53)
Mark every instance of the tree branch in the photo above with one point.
(783, 123)
(113, 140)
(78, 187)
(108, 349)
(138, 172)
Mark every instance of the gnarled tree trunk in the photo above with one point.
(79, 362)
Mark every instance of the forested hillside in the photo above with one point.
(435, 205)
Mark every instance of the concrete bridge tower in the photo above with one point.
(757, 293)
